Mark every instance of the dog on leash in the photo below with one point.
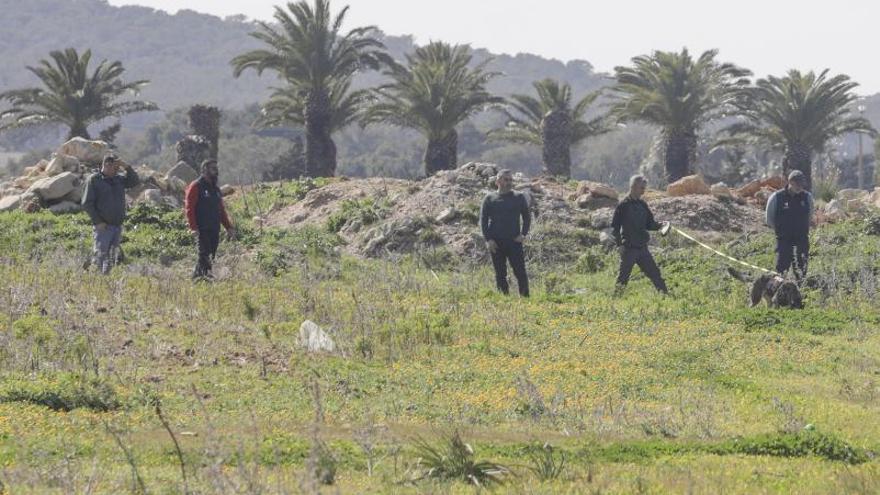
(772, 288)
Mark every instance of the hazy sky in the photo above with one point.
(766, 36)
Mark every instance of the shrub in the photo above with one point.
(453, 459)
(63, 393)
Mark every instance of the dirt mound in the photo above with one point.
(377, 217)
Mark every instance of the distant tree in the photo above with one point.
(205, 121)
(316, 59)
(72, 95)
(437, 90)
(678, 94)
(551, 122)
(798, 114)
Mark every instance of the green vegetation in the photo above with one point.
(574, 389)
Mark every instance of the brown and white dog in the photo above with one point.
(774, 289)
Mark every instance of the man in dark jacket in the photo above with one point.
(500, 222)
(789, 212)
(205, 213)
(104, 202)
(630, 225)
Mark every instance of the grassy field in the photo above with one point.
(143, 382)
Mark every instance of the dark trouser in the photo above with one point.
(208, 242)
(508, 250)
(793, 250)
(630, 256)
(106, 250)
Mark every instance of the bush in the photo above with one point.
(63, 393)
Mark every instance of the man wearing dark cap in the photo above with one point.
(500, 217)
(789, 212)
(205, 213)
(104, 202)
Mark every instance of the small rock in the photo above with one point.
(183, 172)
(65, 207)
(591, 201)
(720, 190)
(833, 211)
(10, 203)
(227, 189)
(447, 215)
(314, 339)
(596, 189)
(692, 184)
(150, 196)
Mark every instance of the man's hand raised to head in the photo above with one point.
(492, 245)
(519, 239)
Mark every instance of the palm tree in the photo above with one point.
(798, 114)
(72, 95)
(314, 57)
(287, 106)
(551, 122)
(680, 95)
(436, 91)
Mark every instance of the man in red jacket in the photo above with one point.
(205, 214)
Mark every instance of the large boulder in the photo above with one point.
(692, 184)
(833, 211)
(62, 163)
(846, 195)
(84, 150)
(10, 203)
(183, 172)
(56, 187)
(313, 339)
(596, 189)
(749, 190)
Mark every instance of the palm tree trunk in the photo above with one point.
(556, 136)
(441, 154)
(798, 157)
(78, 129)
(681, 147)
(320, 148)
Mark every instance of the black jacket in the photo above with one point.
(104, 197)
(500, 215)
(631, 223)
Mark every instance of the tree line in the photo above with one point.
(439, 86)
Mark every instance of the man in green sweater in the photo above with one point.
(630, 225)
(500, 222)
(104, 202)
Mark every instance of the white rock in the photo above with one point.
(833, 210)
(62, 163)
(848, 194)
(446, 215)
(56, 187)
(227, 189)
(10, 203)
(65, 207)
(314, 339)
(183, 172)
(84, 150)
(692, 184)
(150, 196)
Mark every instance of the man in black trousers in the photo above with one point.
(789, 212)
(205, 213)
(630, 225)
(500, 222)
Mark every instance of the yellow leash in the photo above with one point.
(719, 253)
